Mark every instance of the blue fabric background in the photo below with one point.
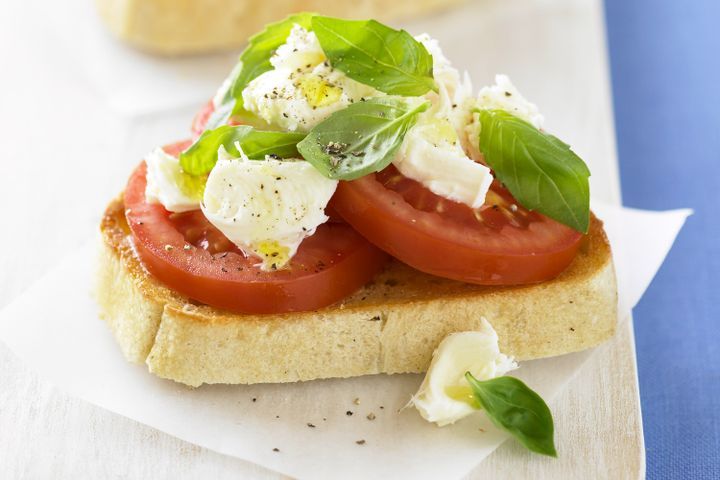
(665, 61)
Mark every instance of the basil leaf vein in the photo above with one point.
(362, 138)
(202, 156)
(540, 170)
(253, 62)
(369, 52)
(517, 409)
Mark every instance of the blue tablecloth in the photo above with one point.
(665, 61)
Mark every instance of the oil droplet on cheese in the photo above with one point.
(461, 393)
(440, 131)
(274, 255)
(318, 92)
(191, 185)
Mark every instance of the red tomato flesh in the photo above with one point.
(192, 257)
(499, 244)
(201, 119)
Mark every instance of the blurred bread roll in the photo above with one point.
(177, 27)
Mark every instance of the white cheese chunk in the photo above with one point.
(301, 48)
(504, 96)
(165, 179)
(443, 71)
(445, 395)
(454, 100)
(266, 207)
(302, 89)
(434, 150)
(501, 96)
(432, 155)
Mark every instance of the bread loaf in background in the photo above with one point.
(176, 27)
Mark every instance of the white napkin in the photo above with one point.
(54, 328)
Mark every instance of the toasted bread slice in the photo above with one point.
(175, 27)
(392, 325)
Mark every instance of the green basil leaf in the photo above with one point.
(540, 171)
(254, 61)
(201, 157)
(362, 138)
(515, 408)
(369, 52)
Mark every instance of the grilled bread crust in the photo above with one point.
(391, 325)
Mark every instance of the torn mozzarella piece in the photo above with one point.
(504, 96)
(433, 155)
(302, 89)
(266, 207)
(301, 48)
(454, 99)
(501, 96)
(165, 180)
(434, 150)
(443, 71)
(445, 395)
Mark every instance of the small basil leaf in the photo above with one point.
(362, 138)
(515, 408)
(201, 157)
(369, 52)
(540, 170)
(254, 61)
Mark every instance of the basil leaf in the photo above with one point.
(540, 171)
(371, 53)
(201, 157)
(362, 138)
(254, 61)
(515, 408)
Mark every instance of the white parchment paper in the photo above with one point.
(54, 327)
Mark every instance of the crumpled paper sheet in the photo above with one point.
(54, 327)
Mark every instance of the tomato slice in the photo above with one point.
(192, 257)
(499, 244)
(201, 119)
